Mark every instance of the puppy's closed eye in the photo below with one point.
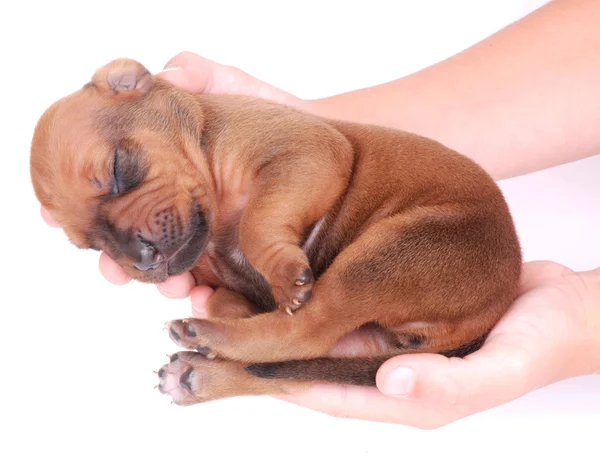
(127, 170)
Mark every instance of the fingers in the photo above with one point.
(191, 72)
(201, 75)
(177, 286)
(369, 404)
(112, 271)
(486, 379)
(48, 218)
(424, 390)
(199, 297)
(108, 267)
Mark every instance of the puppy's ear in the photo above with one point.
(123, 79)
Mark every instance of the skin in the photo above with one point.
(519, 114)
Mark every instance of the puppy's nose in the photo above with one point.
(149, 257)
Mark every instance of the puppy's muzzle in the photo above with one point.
(170, 248)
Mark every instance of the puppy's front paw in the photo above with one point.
(292, 287)
(196, 334)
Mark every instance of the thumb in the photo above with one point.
(197, 74)
(191, 72)
(48, 218)
(482, 380)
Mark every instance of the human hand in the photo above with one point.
(197, 74)
(551, 333)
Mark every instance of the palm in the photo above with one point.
(539, 341)
(543, 320)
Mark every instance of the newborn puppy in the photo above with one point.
(378, 242)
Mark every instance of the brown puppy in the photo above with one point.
(390, 242)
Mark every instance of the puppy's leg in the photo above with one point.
(190, 378)
(293, 194)
(347, 296)
(270, 336)
(416, 271)
(228, 304)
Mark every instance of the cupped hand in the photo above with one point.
(551, 333)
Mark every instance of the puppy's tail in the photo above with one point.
(347, 370)
(355, 371)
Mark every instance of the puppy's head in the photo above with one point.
(119, 165)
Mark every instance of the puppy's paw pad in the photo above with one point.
(193, 334)
(176, 380)
(181, 379)
(206, 352)
(190, 378)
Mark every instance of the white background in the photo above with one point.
(77, 353)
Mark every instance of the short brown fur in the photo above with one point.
(379, 242)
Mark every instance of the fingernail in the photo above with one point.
(170, 68)
(169, 75)
(399, 382)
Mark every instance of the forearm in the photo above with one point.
(524, 99)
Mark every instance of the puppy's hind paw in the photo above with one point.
(190, 378)
(183, 378)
